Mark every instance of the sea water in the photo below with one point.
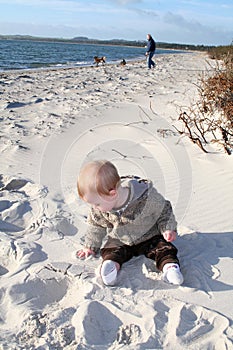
(27, 54)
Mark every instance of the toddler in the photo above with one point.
(128, 217)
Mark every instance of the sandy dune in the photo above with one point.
(53, 120)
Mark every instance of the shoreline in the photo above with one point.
(117, 63)
(65, 67)
(76, 65)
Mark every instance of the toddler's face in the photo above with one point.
(102, 203)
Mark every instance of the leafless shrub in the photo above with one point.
(211, 118)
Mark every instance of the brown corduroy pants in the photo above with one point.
(155, 248)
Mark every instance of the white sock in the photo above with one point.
(172, 274)
(108, 272)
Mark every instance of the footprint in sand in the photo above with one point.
(174, 322)
(95, 323)
(39, 326)
(21, 204)
(17, 255)
(21, 212)
(32, 295)
(186, 325)
(50, 291)
(7, 255)
(14, 184)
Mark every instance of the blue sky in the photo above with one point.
(181, 21)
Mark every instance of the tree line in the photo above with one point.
(121, 42)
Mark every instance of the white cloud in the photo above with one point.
(145, 12)
(62, 5)
(107, 19)
(63, 31)
(193, 31)
(125, 2)
(180, 21)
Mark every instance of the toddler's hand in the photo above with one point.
(169, 236)
(84, 253)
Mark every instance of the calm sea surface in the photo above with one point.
(15, 54)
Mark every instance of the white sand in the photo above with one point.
(51, 121)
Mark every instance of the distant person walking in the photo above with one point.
(150, 51)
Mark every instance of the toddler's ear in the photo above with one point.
(112, 193)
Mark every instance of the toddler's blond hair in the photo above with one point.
(99, 176)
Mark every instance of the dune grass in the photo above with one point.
(210, 120)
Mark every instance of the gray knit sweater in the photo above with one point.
(145, 215)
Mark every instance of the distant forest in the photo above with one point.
(121, 42)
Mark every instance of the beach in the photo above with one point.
(54, 120)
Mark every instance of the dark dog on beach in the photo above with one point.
(123, 62)
(99, 60)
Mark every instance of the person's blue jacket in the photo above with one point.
(151, 45)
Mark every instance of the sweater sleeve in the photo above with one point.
(166, 220)
(96, 230)
(163, 212)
